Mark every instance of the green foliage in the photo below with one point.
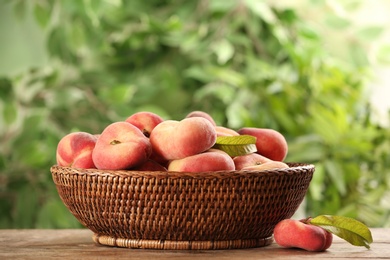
(244, 62)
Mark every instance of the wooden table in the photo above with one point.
(78, 244)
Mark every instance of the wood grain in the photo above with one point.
(78, 244)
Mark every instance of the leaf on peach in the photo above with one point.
(349, 229)
(236, 145)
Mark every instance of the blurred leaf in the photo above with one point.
(261, 9)
(337, 22)
(5, 89)
(306, 149)
(384, 54)
(92, 8)
(222, 5)
(119, 94)
(288, 15)
(57, 46)
(310, 33)
(371, 33)
(235, 113)
(334, 170)
(317, 184)
(228, 75)
(224, 51)
(42, 14)
(353, 172)
(198, 73)
(10, 112)
(62, 98)
(223, 92)
(329, 123)
(352, 5)
(358, 55)
(33, 154)
(77, 37)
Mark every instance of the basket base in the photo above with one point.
(181, 245)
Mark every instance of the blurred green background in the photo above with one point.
(305, 70)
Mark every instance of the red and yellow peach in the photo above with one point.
(75, 150)
(212, 160)
(269, 143)
(297, 234)
(121, 146)
(173, 139)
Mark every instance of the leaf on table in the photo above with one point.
(349, 229)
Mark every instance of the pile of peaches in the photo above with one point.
(147, 142)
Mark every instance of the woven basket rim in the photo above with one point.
(294, 167)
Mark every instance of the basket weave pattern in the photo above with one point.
(166, 210)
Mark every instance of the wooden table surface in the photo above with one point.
(78, 244)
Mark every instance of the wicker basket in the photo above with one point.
(176, 210)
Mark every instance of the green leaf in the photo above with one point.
(236, 145)
(349, 229)
(384, 54)
(222, 5)
(337, 22)
(333, 169)
(10, 113)
(42, 15)
(261, 9)
(218, 90)
(316, 187)
(371, 33)
(224, 51)
(230, 76)
(358, 55)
